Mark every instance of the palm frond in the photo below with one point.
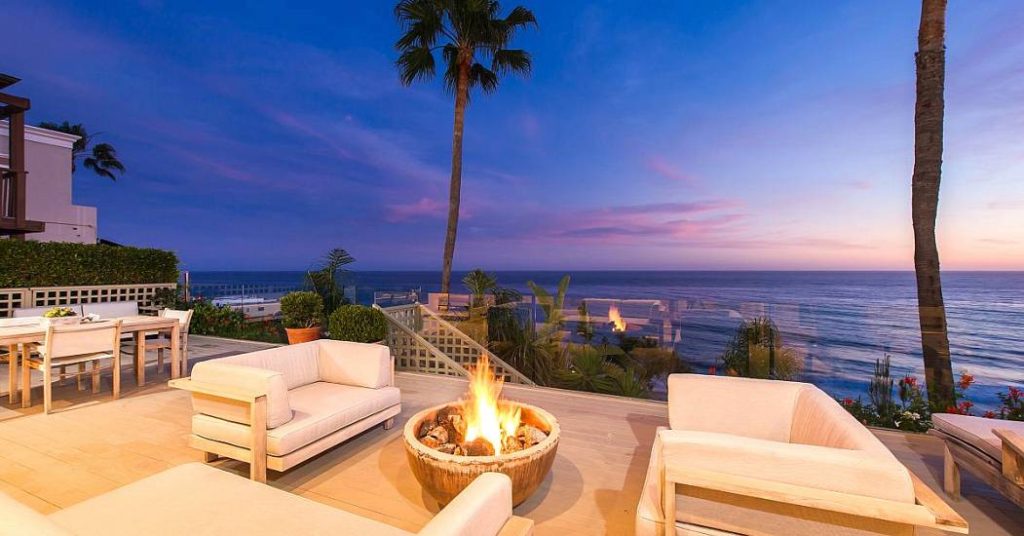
(415, 64)
(483, 77)
(508, 61)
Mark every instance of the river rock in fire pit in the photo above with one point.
(530, 435)
(479, 447)
(446, 432)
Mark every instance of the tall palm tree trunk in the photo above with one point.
(928, 117)
(455, 188)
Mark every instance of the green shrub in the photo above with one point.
(225, 321)
(52, 264)
(357, 323)
(302, 309)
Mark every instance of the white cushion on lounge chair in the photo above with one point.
(976, 431)
(320, 409)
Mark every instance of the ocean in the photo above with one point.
(838, 323)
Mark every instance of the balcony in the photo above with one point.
(52, 462)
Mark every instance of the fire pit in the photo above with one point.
(451, 444)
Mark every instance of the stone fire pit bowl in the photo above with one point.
(445, 475)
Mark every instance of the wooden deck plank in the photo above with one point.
(51, 462)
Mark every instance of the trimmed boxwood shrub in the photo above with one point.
(53, 264)
(302, 309)
(357, 323)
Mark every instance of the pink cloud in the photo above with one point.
(666, 170)
(424, 208)
(861, 184)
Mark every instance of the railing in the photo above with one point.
(6, 194)
(16, 298)
(422, 341)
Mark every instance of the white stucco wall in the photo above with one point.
(48, 198)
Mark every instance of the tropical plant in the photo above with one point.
(657, 363)
(551, 304)
(327, 281)
(100, 158)
(357, 323)
(530, 351)
(880, 387)
(302, 309)
(630, 382)
(1012, 404)
(757, 351)
(479, 283)
(469, 34)
(928, 125)
(585, 327)
(588, 371)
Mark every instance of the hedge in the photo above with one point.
(25, 263)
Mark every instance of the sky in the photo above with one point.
(667, 134)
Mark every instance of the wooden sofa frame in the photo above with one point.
(865, 513)
(1005, 475)
(256, 407)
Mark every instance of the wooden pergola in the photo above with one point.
(13, 221)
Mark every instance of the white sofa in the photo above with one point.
(200, 500)
(747, 456)
(279, 407)
(111, 309)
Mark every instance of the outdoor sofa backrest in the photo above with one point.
(111, 309)
(26, 312)
(278, 370)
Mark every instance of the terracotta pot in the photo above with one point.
(298, 335)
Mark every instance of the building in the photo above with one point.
(35, 179)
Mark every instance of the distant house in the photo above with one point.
(35, 179)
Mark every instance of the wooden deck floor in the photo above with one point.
(51, 462)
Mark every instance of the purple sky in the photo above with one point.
(693, 135)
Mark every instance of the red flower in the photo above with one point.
(1014, 393)
(713, 370)
(909, 380)
(847, 401)
(990, 414)
(965, 380)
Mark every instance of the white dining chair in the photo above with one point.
(163, 341)
(74, 345)
(9, 354)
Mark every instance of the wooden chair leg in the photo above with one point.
(117, 373)
(78, 377)
(12, 373)
(26, 380)
(950, 474)
(160, 360)
(63, 374)
(95, 377)
(210, 457)
(47, 389)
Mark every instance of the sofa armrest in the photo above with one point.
(221, 381)
(482, 509)
(838, 470)
(355, 363)
(17, 519)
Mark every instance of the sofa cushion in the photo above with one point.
(820, 420)
(728, 405)
(16, 519)
(320, 409)
(354, 363)
(297, 362)
(849, 471)
(258, 380)
(200, 500)
(111, 309)
(976, 431)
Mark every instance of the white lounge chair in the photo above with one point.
(745, 456)
(199, 500)
(277, 408)
(991, 449)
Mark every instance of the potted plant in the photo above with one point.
(302, 313)
(357, 323)
(60, 316)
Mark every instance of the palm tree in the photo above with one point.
(479, 283)
(325, 280)
(101, 158)
(468, 34)
(928, 117)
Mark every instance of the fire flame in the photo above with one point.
(486, 415)
(615, 318)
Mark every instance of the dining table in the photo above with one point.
(22, 338)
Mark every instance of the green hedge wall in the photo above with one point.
(52, 264)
